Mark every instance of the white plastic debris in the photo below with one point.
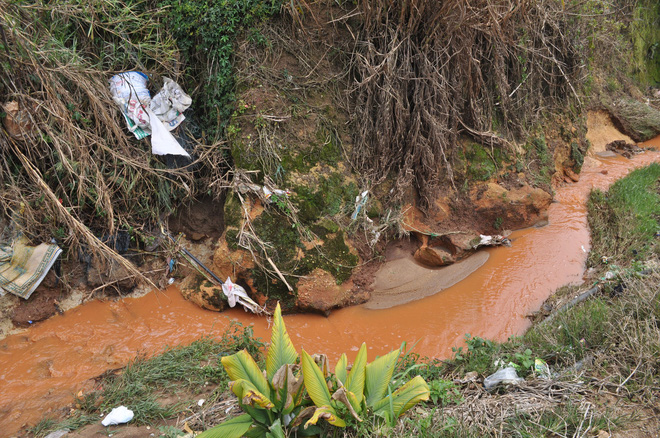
(236, 294)
(169, 103)
(118, 415)
(495, 240)
(506, 376)
(200, 402)
(162, 140)
(171, 280)
(146, 116)
(360, 202)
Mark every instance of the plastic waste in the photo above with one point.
(541, 368)
(506, 376)
(360, 202)
(118, 415)
(495, 240)
(162, 141)
(234, 292)
(169, 103)
(146, 116)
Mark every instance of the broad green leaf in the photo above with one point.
(378, 376)
(249, 395)
(404, 398)
(234, 428)
(281, 350)
(328, 414)
(275, 430)
(315, 384)
(356, 378)
(242, 366)
(340, 369)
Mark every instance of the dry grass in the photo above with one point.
(77, 174)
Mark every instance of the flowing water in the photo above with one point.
(42, 368)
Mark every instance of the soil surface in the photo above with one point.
(401, 279)
(601, 131)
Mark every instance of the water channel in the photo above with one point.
(42, 368)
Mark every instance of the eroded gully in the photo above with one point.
(42, 368)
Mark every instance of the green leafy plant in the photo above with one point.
(445, 392)
(271, 399)
(366, 388)
(274, 400)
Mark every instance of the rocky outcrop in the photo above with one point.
(510, 209)
(206, 295)
(319, 292)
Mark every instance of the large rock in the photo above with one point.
(434, 256)
(111, 274)
(319, 292)
(235, 263)
(206, 295)
(510, 209)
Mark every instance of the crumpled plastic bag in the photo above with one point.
(505, 376)
(146, 116)
(234, 292)
(118, 415)
(169, 103)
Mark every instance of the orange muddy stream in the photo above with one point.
(43, 367)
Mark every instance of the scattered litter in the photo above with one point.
(236, 294)
(17, 121)
(506, 376)
(118, 415)
(609, 275)
(171, 280)
(265, 192)
(541, 368)
(58, 433)
(23, 267)
(360, 202)
(200, 402)
(146, 116)
(496, 240)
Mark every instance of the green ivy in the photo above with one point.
(205, 31)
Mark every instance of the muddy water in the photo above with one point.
(41, 369)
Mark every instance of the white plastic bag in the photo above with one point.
(162, 141)
(234, 292)
(118, 415)
(506, 376)
(169, 104)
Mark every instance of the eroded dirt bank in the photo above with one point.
(43, 367)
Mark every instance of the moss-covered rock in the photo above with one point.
(637, 120)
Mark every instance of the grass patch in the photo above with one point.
(624, 221)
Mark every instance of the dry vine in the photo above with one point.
(427, 71)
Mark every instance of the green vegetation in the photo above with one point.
(206, 31)
(275, 404)
(624, 221)
(646, 41)
(480, 163)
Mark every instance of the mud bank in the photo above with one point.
(43, 367)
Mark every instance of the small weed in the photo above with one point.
(444, 392)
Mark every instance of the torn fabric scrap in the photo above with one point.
(23, 267)
(146, 116)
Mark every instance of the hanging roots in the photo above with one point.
(427, 71)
